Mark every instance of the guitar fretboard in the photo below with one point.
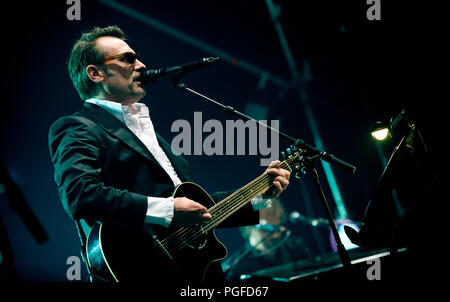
(225, 208)
(228, 206)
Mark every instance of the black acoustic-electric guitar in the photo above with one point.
(182, 254)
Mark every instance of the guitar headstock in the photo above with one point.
(294, 159)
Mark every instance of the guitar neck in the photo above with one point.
(226, 207)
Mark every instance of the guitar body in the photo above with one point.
(156, 254)
(162, 256)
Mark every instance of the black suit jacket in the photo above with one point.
(105, 173)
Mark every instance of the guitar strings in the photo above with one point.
(222, 205)
(190, 234)
(256, 187)
(219, 207)
(234, 205)
(235, 200)
(226, 207)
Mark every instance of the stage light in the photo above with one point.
(380, 131)
(397, 126)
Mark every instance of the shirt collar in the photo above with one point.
(118, 110)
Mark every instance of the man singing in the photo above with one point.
(112, 168)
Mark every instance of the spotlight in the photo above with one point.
(380, 131)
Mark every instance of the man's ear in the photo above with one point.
(95, 73)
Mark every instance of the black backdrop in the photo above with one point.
(362, 71)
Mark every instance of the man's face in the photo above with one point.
(120, 76)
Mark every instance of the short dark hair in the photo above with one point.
(85, 52)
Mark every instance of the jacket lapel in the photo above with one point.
(116, 128)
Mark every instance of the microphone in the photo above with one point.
(154, 75)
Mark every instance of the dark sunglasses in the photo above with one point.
(128, 57)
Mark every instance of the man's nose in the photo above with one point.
(139, 65)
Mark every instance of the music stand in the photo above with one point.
(408, 172)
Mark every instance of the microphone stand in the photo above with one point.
(312, 155)
(298, 142)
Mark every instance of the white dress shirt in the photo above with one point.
(137, 119)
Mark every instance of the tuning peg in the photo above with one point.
(288, 151)
(283, 155)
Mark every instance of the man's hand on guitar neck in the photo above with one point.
(280, 180)
(189, 213)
